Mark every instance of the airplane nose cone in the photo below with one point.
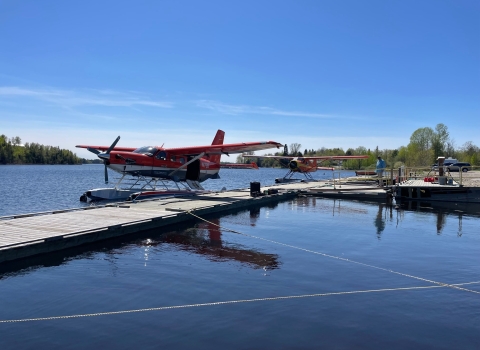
(104, 156)
(293, 165)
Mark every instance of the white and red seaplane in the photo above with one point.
(303, 165)
(151, 164)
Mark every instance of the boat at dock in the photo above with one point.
(325, 168)
(364, 172)
(251, 165)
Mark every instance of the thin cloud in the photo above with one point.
(69, 99)
(14, 91)
(243, 109)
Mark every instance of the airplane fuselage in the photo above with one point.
(300, 165)
(161, 164)
(191, 164)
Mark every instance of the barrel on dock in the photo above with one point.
(254, 189)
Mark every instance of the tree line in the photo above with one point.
(425, 146)
(13, 152)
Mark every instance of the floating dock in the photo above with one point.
(31, 234)
(365, 192)
(26, 235)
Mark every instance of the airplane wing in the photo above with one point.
(230, 148)
(308, 158)
(105, 148)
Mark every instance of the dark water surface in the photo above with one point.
(308, 273)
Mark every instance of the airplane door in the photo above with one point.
(193, 170)
(159, 165)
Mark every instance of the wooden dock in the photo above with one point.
(365, 192)
(39, 233)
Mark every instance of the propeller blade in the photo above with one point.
(106, 155)
(93, 150)
(113, 145)
(106, 174)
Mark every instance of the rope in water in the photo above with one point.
(337, 257)
(435, 285)
(162, 308)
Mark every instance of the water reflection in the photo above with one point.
(442, 211)
(206, 239)
(380, 218)
(388, 212)
(203, 238)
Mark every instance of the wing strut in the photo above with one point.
(187, 163)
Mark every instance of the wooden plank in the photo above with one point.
(58, 227)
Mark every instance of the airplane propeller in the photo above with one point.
(106, 156)
(93, 150)
(293, 165)
(106, 174)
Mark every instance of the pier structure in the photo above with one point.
(31, 234)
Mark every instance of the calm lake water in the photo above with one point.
(307, 273)
(33, 188)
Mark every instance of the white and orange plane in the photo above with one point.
(303, 165)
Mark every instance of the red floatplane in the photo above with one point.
(150, 164)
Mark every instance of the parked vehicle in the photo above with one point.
(459, 167)
(447, 163)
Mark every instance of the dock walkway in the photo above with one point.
(38, 233)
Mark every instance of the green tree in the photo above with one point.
(422, 138)
(439, 140)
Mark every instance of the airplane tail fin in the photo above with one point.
(218, 140)
(254, 165)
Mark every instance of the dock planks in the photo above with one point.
(38, 233)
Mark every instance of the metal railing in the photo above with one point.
(361, 176)
(466, 176)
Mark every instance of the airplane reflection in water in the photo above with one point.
(206, 239)
(203, 239)
(392, 213)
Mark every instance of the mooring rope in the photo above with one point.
(162, 308)
(336, 257)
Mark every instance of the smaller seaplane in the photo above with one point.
(303, 165)
(150, 164)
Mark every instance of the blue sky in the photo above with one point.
(320, 73)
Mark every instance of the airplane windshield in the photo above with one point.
(147, 150)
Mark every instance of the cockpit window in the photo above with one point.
(147, 150)
(162, 155)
